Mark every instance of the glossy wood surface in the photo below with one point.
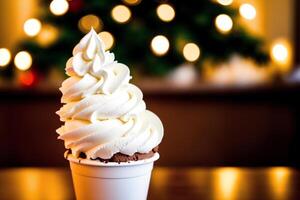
(222, 183)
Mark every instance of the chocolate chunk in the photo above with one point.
(82, 155)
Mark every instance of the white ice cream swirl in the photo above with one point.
(103, 113)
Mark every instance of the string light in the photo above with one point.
(191, 52)
(59, 7)
(23, 60)
(225, 2)
(121, 14)
(48, 35)
(88, 21)
(5, 57)
(165, 12)
(247, 11)
(27, 78)
(132, 2)
(223, 23)
(108, 39)
(160, 45)
(32, 27)
(279, 53)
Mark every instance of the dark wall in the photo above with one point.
(207, 127)
(297, 33)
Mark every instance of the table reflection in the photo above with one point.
(225, 183)
(279, 180)
(28, 182)
(35, 184)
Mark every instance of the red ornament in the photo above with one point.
(27, 78)
(75, 5)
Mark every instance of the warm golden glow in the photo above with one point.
(225, 2)
(59, 7)
(247, 11)
(30, 183)
(165, 12)
(132, 2)
(279, 53)
(160, 179)
(223, 23)
(226, 182)
(32, 27)
(108, 39)
(48, 35)
(191, 52)
(279, 177)
(121, 14)
(90, 21)
(23, 60)
(5, 57)
(160, 45)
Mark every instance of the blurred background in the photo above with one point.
(223, 75)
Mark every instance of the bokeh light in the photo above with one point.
(165, 12)
(48, 35)
(27, 78)
(107, 38)
(32, 27)
(160, 45)
(88, 21)
(279, 53)
(132, 2)
(23, 60)
(225, 2)
(59, 7)
(223, 23)
(191, 52)
(121, 14)
(5, 57)
(247, 11)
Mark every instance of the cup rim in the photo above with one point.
(73, 159)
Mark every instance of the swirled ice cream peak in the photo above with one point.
(103, 113)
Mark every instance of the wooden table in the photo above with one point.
(276, 183)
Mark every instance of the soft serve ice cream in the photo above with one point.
(104, 115)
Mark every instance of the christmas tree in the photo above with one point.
(150, 36)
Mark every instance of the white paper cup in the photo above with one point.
(95, 180)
